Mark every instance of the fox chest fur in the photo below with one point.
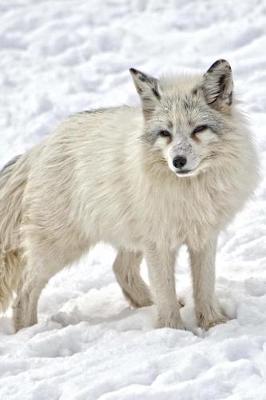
(164, 210)
(177, 211)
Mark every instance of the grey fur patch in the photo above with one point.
(217, 84)
(156, 93)
(149, 137)
(216, 63)
(143, 81)
(170, 124)
(230, 99)
(187, 104)
(97, 110)
(222, 82)
(10, 163)
(142, 77)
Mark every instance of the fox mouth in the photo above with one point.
(183, 173)
(186, 172)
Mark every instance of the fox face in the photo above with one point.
(186, 119)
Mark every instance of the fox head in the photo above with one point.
(186, 119)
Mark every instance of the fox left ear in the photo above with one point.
(148, 90)
(218, 85)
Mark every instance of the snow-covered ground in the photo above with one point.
(59, 57)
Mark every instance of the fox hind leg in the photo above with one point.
(43, 260)
(127, 271)
(25, 305)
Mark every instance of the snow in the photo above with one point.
(59, 57)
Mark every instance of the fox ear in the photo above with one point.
(148, 90)
(218, 85)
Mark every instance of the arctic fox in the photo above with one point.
(145, 179)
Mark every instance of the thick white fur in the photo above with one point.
(95, 180)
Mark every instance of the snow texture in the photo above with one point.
(59, 57)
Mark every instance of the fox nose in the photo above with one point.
(179, 161)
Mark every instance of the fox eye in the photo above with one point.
(199, 129)
(164, 133)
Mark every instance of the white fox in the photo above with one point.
(146, 180)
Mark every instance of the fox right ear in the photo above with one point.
(148, 90)
(218, 85)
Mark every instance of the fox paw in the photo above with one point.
(173, 321)
(210, 317)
